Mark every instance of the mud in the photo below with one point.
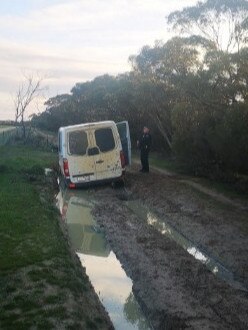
(110, 282)
(175, 290)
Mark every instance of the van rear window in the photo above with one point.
(78, 143)
(105, 139)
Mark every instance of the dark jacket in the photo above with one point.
(145, 142)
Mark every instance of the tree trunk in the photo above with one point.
(161, 129)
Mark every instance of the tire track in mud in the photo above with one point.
(175, 290)
(187, 180)
(222, 230)
(200, 253)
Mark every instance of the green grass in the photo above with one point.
(167, 164)
(226, 189)
(37, 274)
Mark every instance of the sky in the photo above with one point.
(70, 41)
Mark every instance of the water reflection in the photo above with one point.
(85, 235)
(166, 229)
(107, 276)
(132, 312)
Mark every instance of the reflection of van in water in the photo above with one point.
(94, 152)
(85, 235)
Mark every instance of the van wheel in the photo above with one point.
(118, 184)
(62, 182)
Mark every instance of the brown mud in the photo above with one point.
(175, 290)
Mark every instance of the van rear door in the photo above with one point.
(81, 166)
(107, 161)
(124, 132)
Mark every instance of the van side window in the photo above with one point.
(122, 129)
(78, 143)
(105, 139)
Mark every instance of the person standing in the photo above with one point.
(144, 144)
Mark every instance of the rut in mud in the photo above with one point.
(109, 280)
(176, 290)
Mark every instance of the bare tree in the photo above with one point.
(29, 90)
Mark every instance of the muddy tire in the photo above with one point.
(118, 184)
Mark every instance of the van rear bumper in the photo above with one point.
(73, 185)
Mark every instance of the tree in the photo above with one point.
(223, 22)
(29, 90)
(159, 72)
(191, 92)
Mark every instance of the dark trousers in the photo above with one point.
(144, 159)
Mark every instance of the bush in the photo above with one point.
(212, 143)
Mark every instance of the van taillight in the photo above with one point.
(66, 167)
(123, 161)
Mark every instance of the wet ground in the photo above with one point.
(183, 254)
(113, 286)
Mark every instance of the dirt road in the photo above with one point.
(176, 290)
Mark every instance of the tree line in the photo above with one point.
(191, 91)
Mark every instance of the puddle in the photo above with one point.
(209, 261)
(108, 278)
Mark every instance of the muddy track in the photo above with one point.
(190, 181)
(175, 290)
(221, 229)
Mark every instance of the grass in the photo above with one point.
(158, 160)
(227, 189)
(167, 164)
(41, 285)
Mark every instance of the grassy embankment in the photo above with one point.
(41, 283)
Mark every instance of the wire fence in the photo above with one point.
(33, 137)
(6, 134)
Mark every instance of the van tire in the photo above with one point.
(118, 184)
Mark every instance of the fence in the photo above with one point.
(6, 133)
(34, 137)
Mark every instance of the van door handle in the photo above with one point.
(99, 161)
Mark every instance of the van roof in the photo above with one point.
(88, 125)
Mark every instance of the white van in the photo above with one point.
(94, 152)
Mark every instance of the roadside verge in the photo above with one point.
(42, 285)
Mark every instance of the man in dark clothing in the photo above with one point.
(144, 144)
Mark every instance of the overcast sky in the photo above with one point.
(71, 41)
